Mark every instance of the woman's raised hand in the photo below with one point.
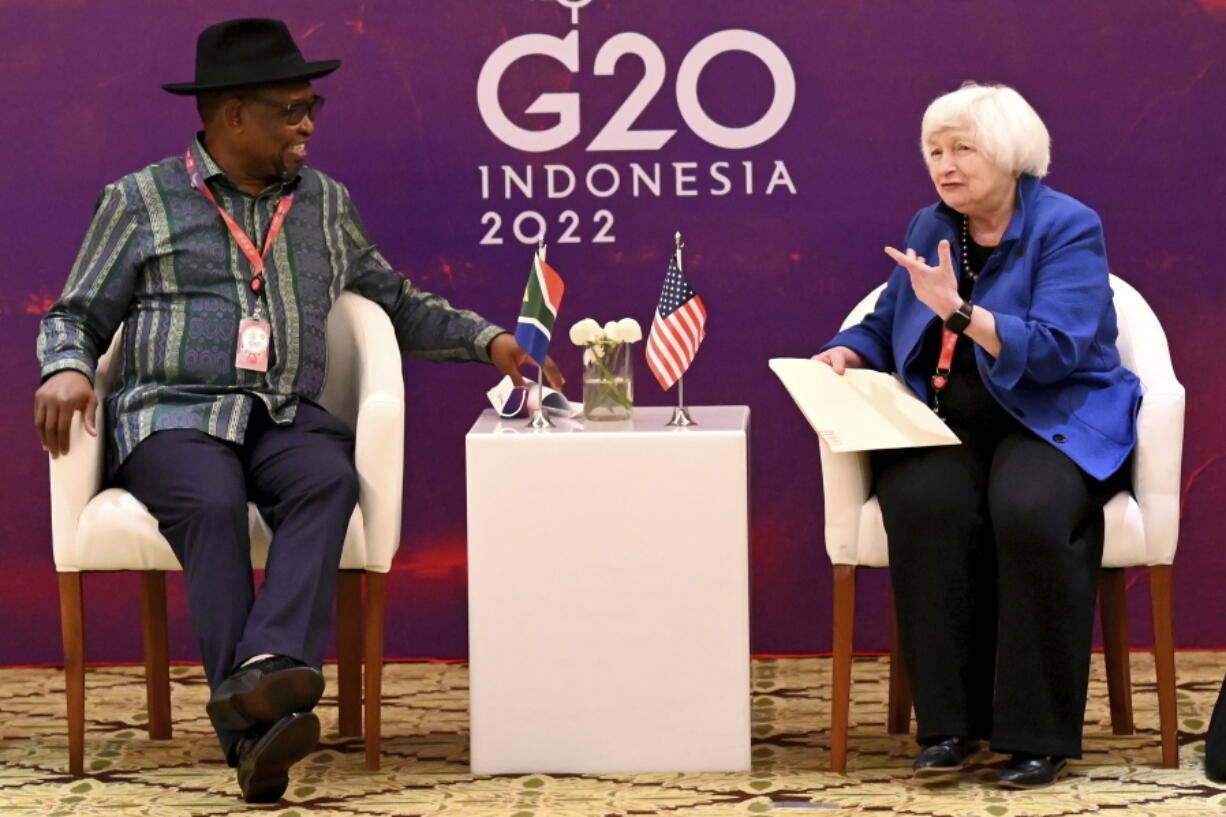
(935, 287)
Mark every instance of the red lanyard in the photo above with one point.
(949, 340)
(940, 378)
(254, 257)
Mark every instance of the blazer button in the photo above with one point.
(1059, 438)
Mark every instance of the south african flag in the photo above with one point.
(542, 297)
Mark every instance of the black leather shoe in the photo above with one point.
(943, 760)
(265, 692)
(264, 759)
(1031, 772)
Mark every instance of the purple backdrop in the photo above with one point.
(1132, 91)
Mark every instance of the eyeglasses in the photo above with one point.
(294, 111)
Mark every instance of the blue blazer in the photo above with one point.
(1059, 371)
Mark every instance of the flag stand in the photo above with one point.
(537, 421)
(681, 414)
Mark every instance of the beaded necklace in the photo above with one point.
(966, 258)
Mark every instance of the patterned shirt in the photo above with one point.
(159, 261)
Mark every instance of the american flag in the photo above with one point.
(677, 329)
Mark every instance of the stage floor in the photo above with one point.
(425, 763)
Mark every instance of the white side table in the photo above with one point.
(608, 594)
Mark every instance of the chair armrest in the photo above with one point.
(1156, 467)
(76, 477)
(379, 459)
(846, 480)
(379, 434)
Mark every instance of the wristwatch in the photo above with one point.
(959, 320)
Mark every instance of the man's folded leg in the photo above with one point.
(302, 478)
(193, 484)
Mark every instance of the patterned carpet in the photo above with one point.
(425, 756)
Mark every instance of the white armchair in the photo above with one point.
(95, 530)
(1141, 529)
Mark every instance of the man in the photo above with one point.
(221, 265)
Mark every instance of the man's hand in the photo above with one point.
(840, 358)
(508, 357)
(61, 396)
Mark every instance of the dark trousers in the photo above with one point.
(995, 549)
(1215, 740)
(302, 479)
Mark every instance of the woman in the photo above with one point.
(995, 544)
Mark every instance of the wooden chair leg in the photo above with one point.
(349, 653)
(1113, 609)
(900, 682)
(840, 685)
(1160, 598)
(157, 653)
(72, 627)
(376, 595)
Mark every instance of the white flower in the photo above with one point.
(629, 331)
(588, 332)
(584, 332)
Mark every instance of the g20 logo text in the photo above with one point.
(618, 133)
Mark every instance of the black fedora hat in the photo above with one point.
(248, 51)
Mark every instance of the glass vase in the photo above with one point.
(608, 381)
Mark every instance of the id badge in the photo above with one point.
(253, 340)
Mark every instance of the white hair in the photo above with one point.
(1002, 125)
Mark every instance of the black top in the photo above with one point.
(965, 400)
